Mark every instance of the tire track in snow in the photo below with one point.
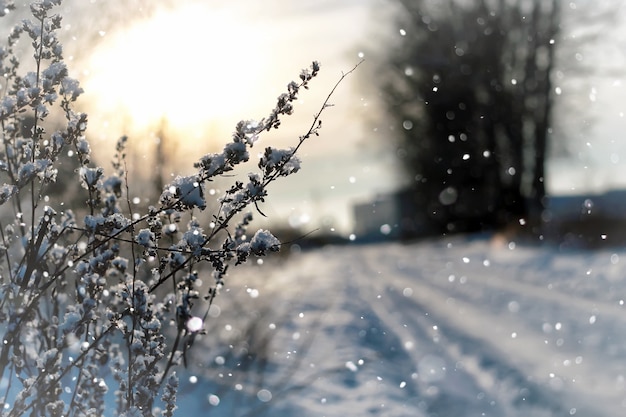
(504, 367)
(395, 353)
(431, 359)
(440, 343)
(468, 332)
(489, 277)
(435, 347)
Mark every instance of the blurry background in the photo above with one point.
(465, 115)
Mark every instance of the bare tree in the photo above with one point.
(470, 85)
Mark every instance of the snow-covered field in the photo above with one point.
(453, 327)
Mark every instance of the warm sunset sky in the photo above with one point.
(203, 66)
(194, 68)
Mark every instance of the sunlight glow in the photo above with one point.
(187, 67)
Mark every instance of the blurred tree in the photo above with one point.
(469, 84)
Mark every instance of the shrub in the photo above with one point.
(87, 291)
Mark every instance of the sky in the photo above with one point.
(590, 105)
(199, 69)
(189, 70)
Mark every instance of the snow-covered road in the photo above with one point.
(455, 327)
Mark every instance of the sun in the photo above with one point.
(189, 67)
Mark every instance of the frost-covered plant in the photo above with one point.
(88, 292)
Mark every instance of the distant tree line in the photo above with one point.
(469, 91)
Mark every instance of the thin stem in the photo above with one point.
(170, 361)
(79, 378)
(132, 297)
(34, 138)
(7, 257)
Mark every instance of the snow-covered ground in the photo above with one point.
(453, 327)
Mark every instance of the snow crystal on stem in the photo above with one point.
(187, 190)
(90, 176)
(146, 238)
(283, 162)
(263, 241)
(194, 239)
(6, 192)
